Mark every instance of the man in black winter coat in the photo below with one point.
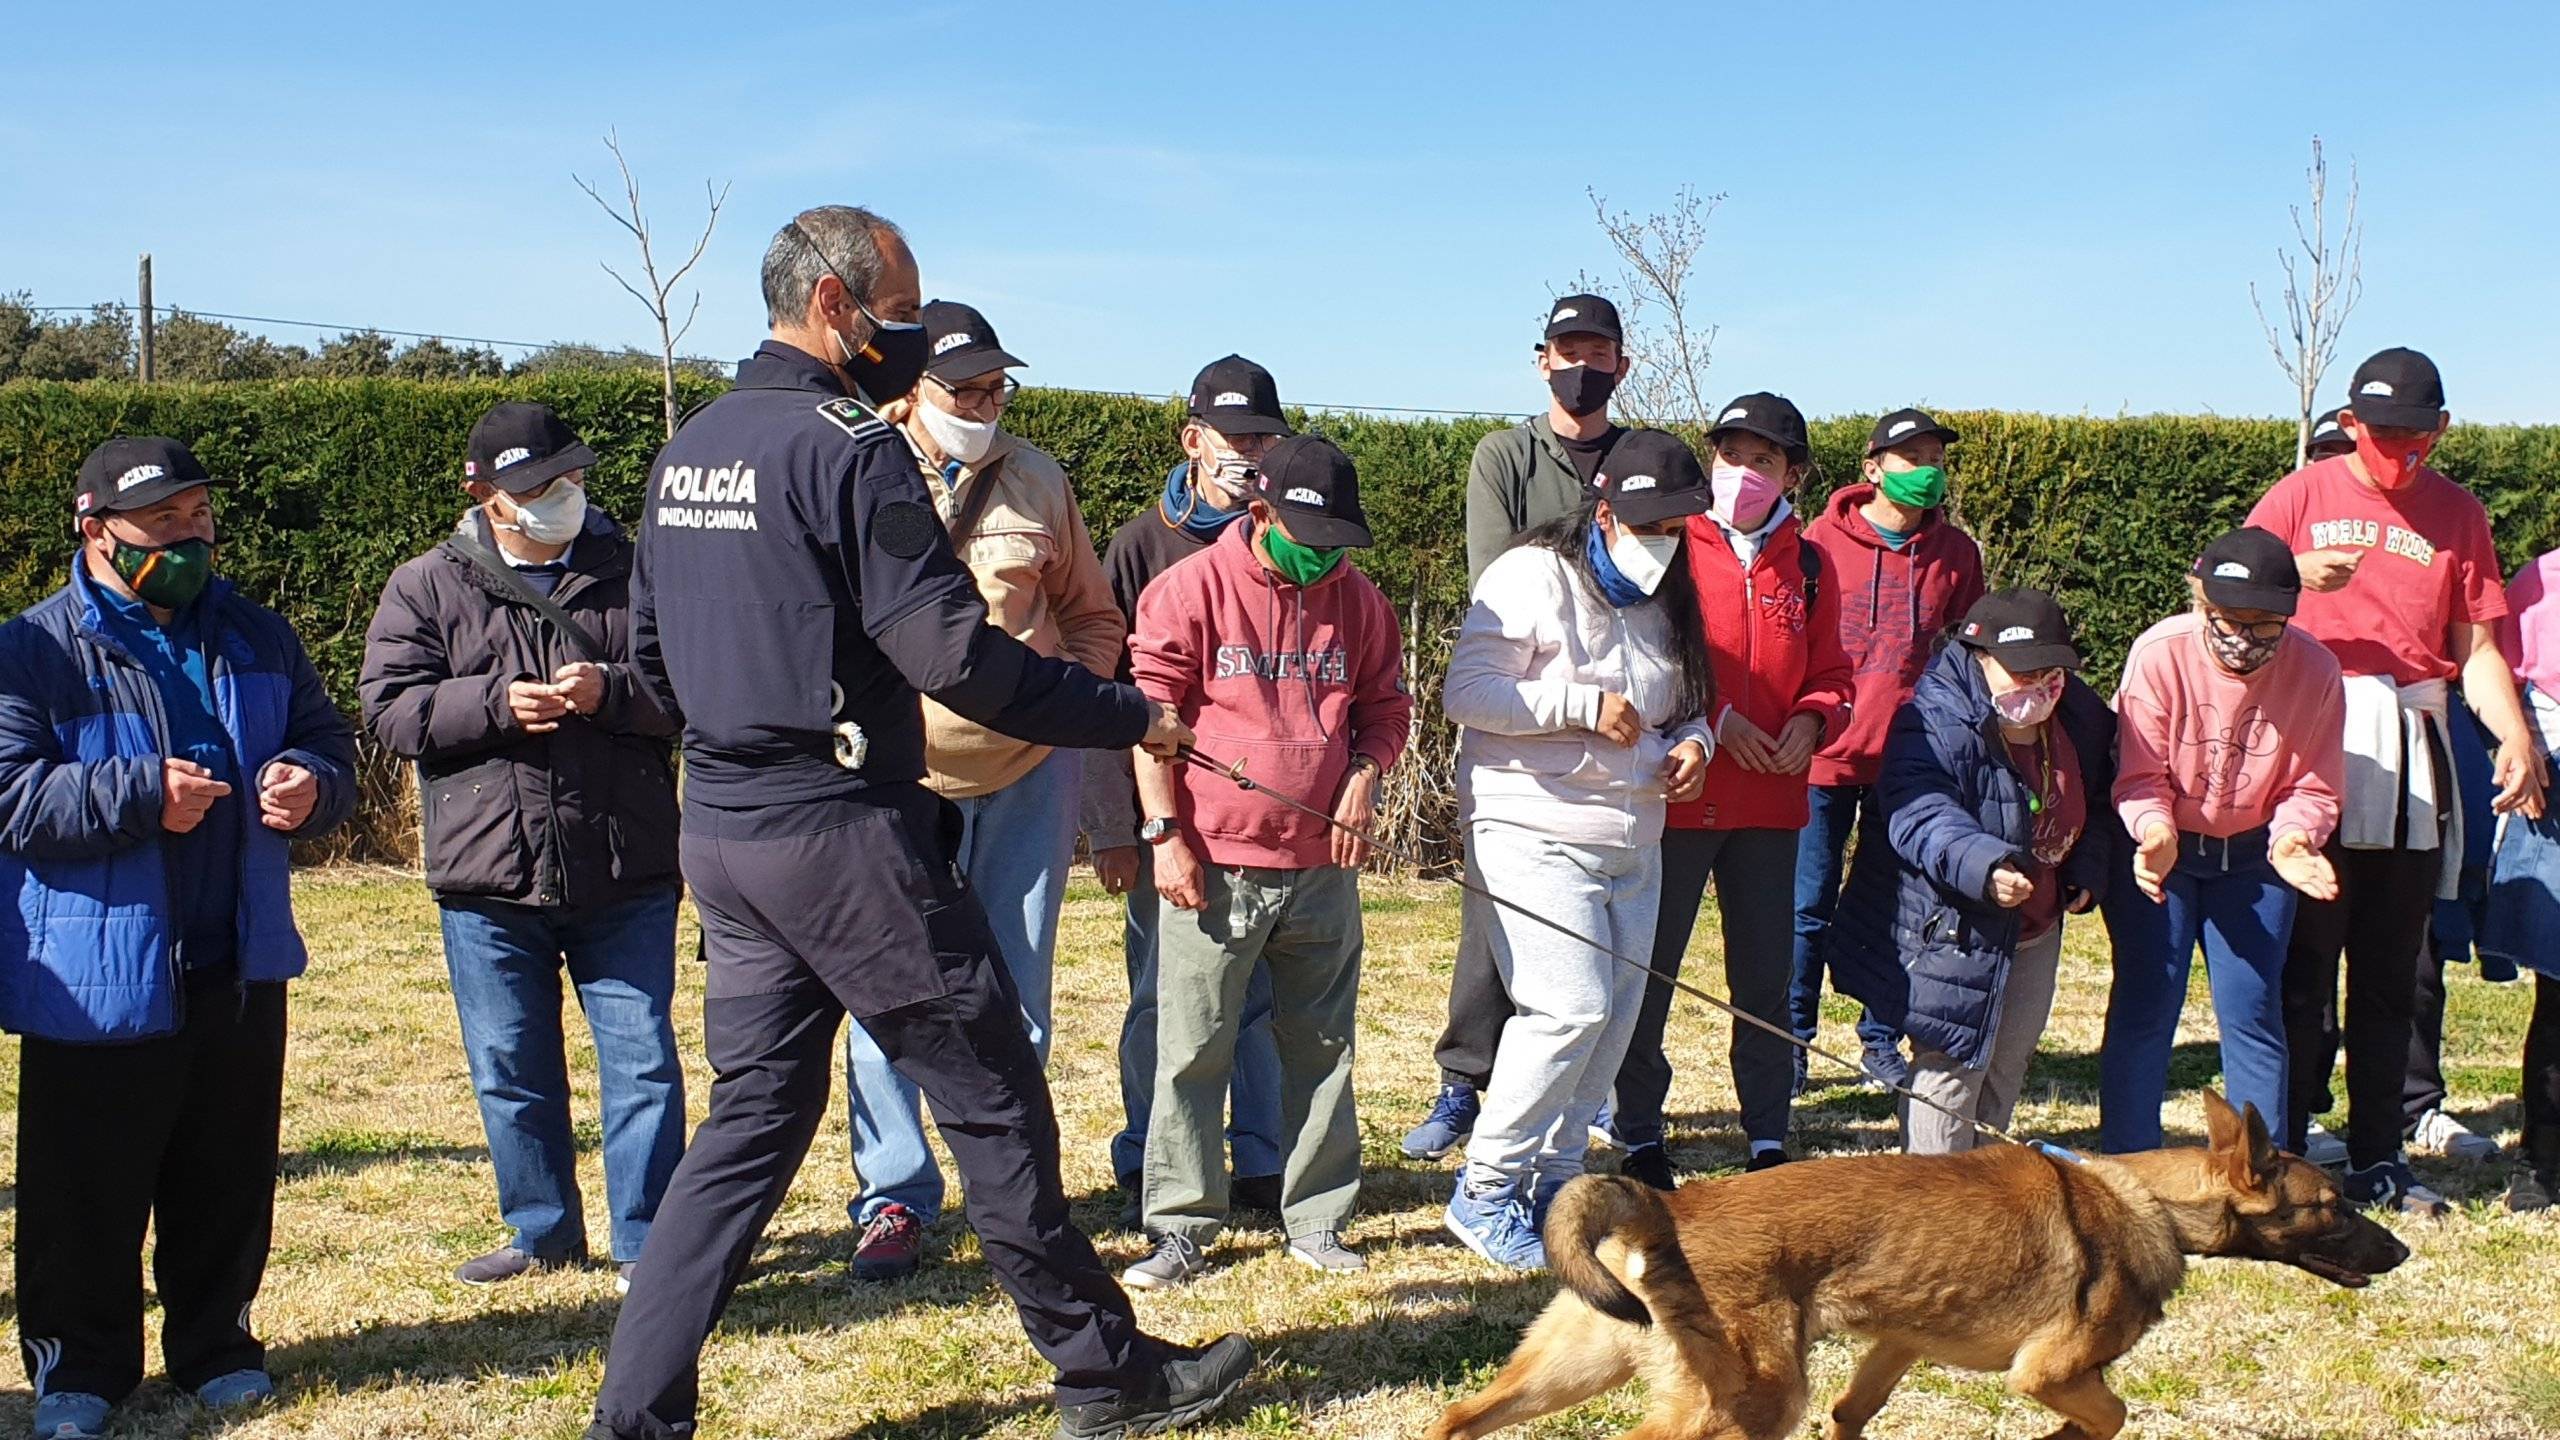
(545, 772)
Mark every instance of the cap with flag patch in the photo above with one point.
(1650, 476)
(1903, 426)
(962, 345)
(1316, 489)
(2398, 389)
(1584, 315)
(1234, 396)
(521, 447)
(132, 471)
(2327, 438)
(1773, 418)
(2024, 629)
(2250, 569)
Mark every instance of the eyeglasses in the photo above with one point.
(999, 394)
(2259, 630)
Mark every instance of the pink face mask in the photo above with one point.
(1741, 494)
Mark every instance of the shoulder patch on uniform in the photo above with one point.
(904, 528)
(850, 416)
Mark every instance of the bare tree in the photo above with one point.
(1671, 348)
(630, 217)
(2321, 286)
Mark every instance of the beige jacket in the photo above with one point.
(1043, 585)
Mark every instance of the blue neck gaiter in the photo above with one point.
(1184, 507)
(1615, 588)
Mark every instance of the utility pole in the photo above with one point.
(143, 368)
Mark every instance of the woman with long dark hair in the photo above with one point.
(1581, 681)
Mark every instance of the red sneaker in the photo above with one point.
(891, 1247)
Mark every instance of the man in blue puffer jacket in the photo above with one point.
(162, 741)
(1993, 822)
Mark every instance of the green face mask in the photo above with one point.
(1299, 564)
(168, 576)
(1923, 487)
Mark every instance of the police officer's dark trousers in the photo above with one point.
(864, 915)
(179, 1131)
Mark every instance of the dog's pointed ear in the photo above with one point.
(2223, 1128)
(2260, 1145)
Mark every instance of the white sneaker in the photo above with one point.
(2324, 1149)
(2441, 1134)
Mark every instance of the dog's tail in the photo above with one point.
(1600, 1207)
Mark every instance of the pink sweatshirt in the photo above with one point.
(2213, 753)
(2530, 635)
(1291, 681)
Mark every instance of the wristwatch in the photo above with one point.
(1157, 831)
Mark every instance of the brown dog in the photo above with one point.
(2000, 1259)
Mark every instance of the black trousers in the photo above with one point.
(2378, 924)
(1479, 1004)
(866, 917)
(2542, 1080)
(181, 1132)
(2422, 1088)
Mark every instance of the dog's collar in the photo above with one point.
(2048, 1148)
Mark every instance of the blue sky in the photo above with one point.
(2045, 207)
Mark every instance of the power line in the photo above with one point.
(723, 364)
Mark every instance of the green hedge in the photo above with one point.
(343, 479)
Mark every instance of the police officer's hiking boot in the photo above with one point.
(1192, 1383)
(892, 1245)
(1451, 1121)
(1174, 1262)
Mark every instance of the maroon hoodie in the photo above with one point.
(1291, 681)
(1893, 606)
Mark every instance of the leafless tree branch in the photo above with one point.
(2314, 310)
(1670, 347)
(632, 217)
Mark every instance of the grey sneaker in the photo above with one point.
(2440, 1134)
(1173, 1263)
(1324, 1250)
(2527, 1193)
(2324, 1149)
(500, 1265)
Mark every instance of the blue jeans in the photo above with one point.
(1253, 1094)
(505, 961)
(1834, 817)
(1015, 847)
(2227, 895)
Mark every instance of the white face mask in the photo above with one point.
(553, 519)
(957, 436)
(1643, 559)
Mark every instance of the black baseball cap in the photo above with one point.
(132, 471)
(521, 447)
(1771, 417)
(1234, 396)
(964, 345)
(2328, 437)
(1650, 476)
(2023, 629)
(2250, 569)
(2398, 389)
(1308, 479)
(1906, 425)
(1584, 315)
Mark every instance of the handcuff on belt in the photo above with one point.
(852, 746)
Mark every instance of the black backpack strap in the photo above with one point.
(1811, 559)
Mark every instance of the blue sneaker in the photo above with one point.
(237, 1390)
(1451, 1121)
(71, 1415)
(1497, 1225)
(2391, 1186)
(1542, 1197)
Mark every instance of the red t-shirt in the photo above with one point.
(2429, 565)
(2052, 769)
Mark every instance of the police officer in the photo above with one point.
(795, 591)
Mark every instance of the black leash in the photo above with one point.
(1234, 774)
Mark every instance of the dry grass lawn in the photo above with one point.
(386, 1190)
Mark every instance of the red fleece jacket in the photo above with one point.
(1893, 606)
(1291, 681)
(1774, 657)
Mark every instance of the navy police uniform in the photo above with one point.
(794, 592)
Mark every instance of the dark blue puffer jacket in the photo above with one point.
(1917, 936)
(86, 953)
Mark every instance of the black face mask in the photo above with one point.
(1581, 390)
(891, 363)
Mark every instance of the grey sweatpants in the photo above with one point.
(1574, 1007)
(1988, 1094)
(1305, 925)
